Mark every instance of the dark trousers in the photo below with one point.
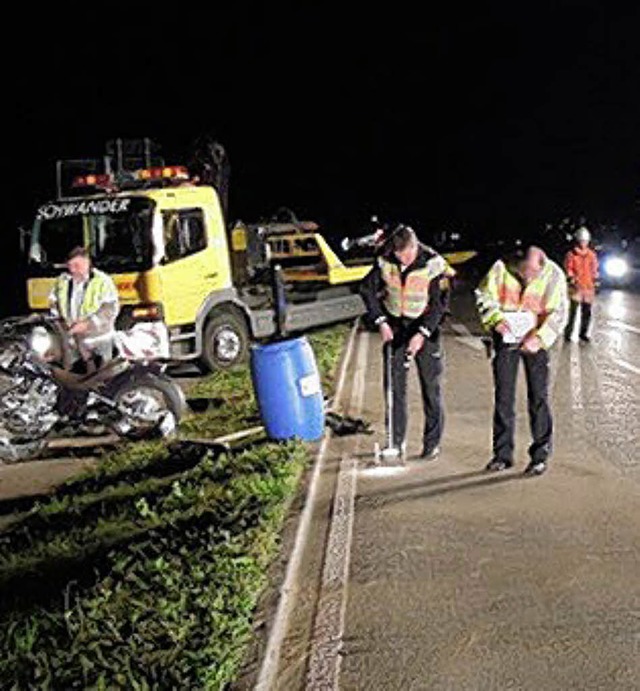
(585, 318)
(505, 373)
(430, 366)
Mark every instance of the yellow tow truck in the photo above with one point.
(161, 234)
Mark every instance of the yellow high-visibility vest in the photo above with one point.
(545, 296)
(98, 286)
(411, 298)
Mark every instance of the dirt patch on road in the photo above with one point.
(22, 483)
(39, 477)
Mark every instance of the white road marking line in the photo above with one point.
(617, 324)
(465, 337)
(627, 366)
(271, 659)
(616, 337)
(471, 342)
(575, 379)
(324, 664)
(460, 329)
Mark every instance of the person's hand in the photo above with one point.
(415, 345)
(503, 328)
(531, 344)
(386, 332)
(79, 328)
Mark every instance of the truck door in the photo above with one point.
(188, 271)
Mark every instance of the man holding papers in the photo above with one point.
(523, 303)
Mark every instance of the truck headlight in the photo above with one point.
(616, 267)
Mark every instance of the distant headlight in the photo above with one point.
(41, 341)
(616, 267)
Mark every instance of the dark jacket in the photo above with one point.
(372, 291)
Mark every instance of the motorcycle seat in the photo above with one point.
(91, 380)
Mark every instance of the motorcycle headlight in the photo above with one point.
(616, 267)
(41, 342)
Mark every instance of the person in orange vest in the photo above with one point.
(522, 303)
(406, 295)
(581, 265)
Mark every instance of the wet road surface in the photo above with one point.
(458, 579)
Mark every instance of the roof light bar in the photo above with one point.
(163, 172)
(108, 181)
(102, 180)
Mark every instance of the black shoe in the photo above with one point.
(567, 338)
(585, 339)
(535, 468)
(498, 464)
(430, 454)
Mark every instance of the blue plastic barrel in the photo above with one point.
(287, 386)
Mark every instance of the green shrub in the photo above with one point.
(144, 572)
(157, 594)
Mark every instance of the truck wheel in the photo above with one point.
(225, 341)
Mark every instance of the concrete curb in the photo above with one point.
(323, 673)
(271, 659)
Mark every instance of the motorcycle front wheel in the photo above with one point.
(152, 406)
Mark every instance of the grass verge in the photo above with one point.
(145, 572)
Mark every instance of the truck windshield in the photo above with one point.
(117, 232)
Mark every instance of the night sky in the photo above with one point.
(494, 121)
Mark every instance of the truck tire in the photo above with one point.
(225, 341)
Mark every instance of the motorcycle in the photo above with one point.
(41, 391)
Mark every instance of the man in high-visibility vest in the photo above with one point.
(86, 300)
(406, 295)
(523, 302)
(581, 265)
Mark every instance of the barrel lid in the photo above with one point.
(280, 346)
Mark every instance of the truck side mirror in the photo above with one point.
(25, 240)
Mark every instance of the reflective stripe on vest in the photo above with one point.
(93, 297)
(410, 299)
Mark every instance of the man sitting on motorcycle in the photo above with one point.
(86, 301)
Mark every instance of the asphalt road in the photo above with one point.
(441, 576)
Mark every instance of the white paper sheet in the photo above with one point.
(520, 323)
